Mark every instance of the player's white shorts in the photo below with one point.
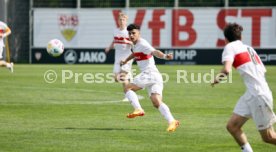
(150, 79)
(117, 68)
(259, 108)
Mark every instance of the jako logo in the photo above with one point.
(92, 57)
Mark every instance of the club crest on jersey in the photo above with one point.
(68, 25)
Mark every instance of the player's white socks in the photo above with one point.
(165, 111)
(10, 66)
(132, 97)
(246, 148)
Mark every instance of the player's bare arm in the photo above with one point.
(128, 42)
(223, 73)
(111, 46)
(161, 55)
(131, 56)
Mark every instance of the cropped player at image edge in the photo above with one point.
(4, 32)
(257, 101)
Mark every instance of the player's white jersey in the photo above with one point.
(143, 54)
(248, 63)
(122, 49)
(3, 27)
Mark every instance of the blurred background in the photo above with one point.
(191, 29)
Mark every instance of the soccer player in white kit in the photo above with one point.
(257, 102)
(149, 77)
(122, 51)
(4, 32)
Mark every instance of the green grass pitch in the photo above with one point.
(36, 116)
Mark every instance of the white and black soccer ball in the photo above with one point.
(55, 47)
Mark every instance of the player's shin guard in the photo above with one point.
(132, 97)
(165, 111)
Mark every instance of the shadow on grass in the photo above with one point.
(103, 129)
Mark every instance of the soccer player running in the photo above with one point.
(122, 51)
(257, 102)
(149, 77)
(4, 32)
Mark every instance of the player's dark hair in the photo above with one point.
(232, 32)
(131, 27)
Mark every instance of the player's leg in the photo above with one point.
(268, 135)
(156, 99)
(10, 66)
(133, 98)
(238, 119)
(121, 77)
(264, 117)
(116, 71)
(234, 126)
(125, 76)
(125, 83)
(3, 62)
(155, 89)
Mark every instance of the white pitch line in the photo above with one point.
(67, 103)
(75, 102)
(63, 89)
(92, 102)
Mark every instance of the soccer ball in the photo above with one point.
(55, 47)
